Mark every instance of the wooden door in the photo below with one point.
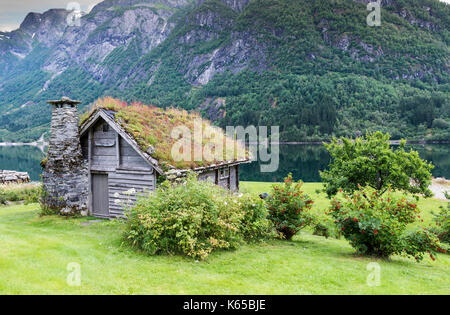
(100, 195)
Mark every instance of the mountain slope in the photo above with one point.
(312, 67)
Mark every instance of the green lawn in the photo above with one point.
(35, 252)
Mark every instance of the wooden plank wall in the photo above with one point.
(224, 182)
(104, 156)
(126, 169)
(129, 158)
(229, 183)
(233, 178)
(208, 176)
(123, 181)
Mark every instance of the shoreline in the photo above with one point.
(40, 144)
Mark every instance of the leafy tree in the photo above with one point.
(370, 161)
(419, 110)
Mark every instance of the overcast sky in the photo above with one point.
(12, 12)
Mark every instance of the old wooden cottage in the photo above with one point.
(119, 152)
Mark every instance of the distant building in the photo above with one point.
(117, 153)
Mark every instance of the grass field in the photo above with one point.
(35, 253)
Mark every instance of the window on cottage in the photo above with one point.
(105, 127)
(224, 172)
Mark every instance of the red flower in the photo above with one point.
(355, 219)
(375, 232)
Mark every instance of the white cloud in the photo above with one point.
(13, 12)
(7, 27)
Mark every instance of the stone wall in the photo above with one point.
(65, 173)
(13, 177)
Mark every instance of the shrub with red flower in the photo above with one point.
(376, 225)
(421, 242)
(289, 207)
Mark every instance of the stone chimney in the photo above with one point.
(65, 173)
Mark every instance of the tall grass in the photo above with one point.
(29, 193)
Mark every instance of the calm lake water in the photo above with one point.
(304, 161)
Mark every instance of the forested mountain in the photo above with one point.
(315, 68)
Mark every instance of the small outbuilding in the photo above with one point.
(118, 152)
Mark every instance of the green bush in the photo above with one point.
(194, 218)
(19, 192)
(422, 241)
(323, 225)
(375, 224)
(289, 207)
(441, 226)
(320, 229)
(255, 225)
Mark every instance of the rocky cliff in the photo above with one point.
(225, 57)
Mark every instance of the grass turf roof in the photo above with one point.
(152, 127)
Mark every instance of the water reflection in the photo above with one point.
(23, 159)
(304, 161)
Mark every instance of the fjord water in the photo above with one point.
(303, 161)
(23, 159)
